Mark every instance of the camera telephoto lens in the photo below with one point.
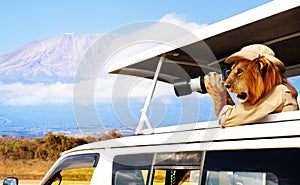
(183, 87)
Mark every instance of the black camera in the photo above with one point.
(184, 87)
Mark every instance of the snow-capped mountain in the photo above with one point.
(48, 60)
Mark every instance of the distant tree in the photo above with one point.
(110, 135)
(48, 147)
(5, 150)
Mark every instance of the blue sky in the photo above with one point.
(25, 21)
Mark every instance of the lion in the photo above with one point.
(258, 78)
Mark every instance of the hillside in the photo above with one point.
(48, 60)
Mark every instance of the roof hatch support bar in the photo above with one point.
(144, 118)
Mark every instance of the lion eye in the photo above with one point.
(239, 72)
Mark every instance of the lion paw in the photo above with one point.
(214, 85)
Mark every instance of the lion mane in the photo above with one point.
(250, 80)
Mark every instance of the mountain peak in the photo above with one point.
(47, 60)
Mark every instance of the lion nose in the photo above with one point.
(227, 86)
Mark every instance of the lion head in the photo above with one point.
(251, 79)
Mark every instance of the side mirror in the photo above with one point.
(11, 181)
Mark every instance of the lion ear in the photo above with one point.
(262, 66)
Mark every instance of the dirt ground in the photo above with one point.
(29, 182)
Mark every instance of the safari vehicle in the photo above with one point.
(263, 153)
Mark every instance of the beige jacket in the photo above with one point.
(278, 100)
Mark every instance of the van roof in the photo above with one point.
(275, 24)
(257, 135)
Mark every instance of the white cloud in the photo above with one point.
(35, 94)
(181, 20)
(104, 90)
(126, 87)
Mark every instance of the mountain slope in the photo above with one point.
(48, 60)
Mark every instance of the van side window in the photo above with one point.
(76, 176)
(132, 169)
(256, 166)
(76, 169)
(176, 176)
(179, 168)
(240, 178)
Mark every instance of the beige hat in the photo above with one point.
(256, 50)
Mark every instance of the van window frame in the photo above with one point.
(277, 161)
(164, 160)
(74, 161)
(132, 162)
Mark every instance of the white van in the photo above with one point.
(262, 153)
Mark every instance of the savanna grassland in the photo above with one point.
(31, 158)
